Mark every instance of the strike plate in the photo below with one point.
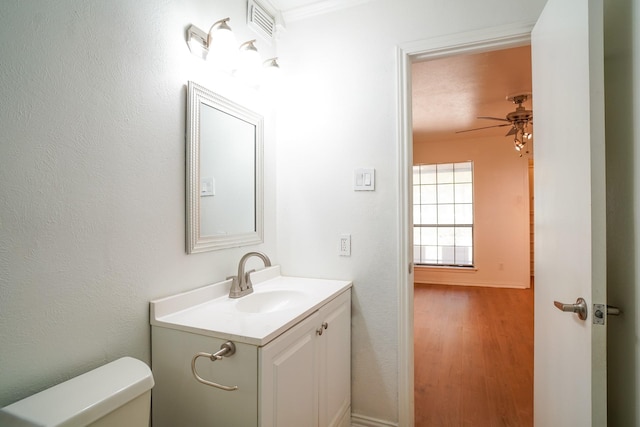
(599, 314)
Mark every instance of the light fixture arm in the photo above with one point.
(248, 45)
(271, 62)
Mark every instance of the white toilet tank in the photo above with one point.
(116, 394)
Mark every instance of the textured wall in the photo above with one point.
(338, 113)
(92, 153)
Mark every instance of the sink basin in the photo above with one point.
(277, 303)
(270, 301)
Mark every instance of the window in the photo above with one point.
(443, 214)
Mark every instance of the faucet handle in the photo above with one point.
(247, 279)
(234, 291)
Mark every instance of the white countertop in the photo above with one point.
(209, 310)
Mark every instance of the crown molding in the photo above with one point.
(319, 8)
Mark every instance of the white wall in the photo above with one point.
(338, 113)
(622, 92)
(92, 177)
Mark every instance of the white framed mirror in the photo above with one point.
(224, 172)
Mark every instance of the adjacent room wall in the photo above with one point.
(501, 212)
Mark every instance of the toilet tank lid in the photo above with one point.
(87, 397)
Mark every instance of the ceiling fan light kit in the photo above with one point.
(519, 120)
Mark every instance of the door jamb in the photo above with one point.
(495, 38)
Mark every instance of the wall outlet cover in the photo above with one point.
(345, 245)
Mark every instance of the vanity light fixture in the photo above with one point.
(220, 44)
(219, 39)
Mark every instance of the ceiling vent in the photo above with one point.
(261, 21)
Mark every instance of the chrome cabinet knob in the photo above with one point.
(322, 327)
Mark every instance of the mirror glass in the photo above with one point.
(224, 172)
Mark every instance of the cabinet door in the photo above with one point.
(335, 361)
(289, 374)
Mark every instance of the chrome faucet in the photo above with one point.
(241, 284)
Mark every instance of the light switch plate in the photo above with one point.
(207, 186)
(364, 179)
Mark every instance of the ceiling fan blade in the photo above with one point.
(512, 131)
(486, 127)
(493, 118)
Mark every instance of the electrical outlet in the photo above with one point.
(345, 245)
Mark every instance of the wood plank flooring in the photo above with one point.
(473, 356)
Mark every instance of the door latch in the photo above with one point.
(599, 311)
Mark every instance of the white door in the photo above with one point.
(568, 105)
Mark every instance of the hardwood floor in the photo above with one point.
(473, 356)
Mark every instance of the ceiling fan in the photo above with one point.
(519, 120)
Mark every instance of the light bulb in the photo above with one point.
(249, 58)
(271, 72)
(222, 44)
(248, 67)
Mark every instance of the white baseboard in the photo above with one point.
(476, 284)
(358, 420)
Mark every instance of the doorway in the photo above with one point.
(567, 61)
(492, 39)
(473, 313)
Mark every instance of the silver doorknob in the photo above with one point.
(580, 308)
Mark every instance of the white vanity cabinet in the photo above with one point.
(294, 372)
(306, 372)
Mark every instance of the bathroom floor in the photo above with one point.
(473, 356)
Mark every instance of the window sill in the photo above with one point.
(446, 268)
